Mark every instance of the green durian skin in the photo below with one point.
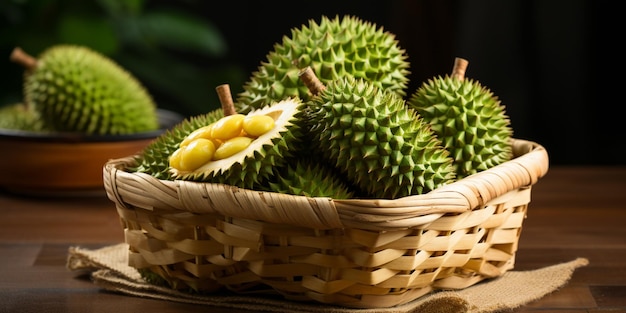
(76, 89)
(333, 48)
(376, 141)
(154, 158)
(306, 176)
(469, 119)
(260, 161)
(20, 117)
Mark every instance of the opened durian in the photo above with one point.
(76, 89)
(375, 140)
(18, 116)
(333, 48)
(154, 158)
(306, 176)
(467, 117)
(241, 150)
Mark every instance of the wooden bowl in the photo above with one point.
(66, 164)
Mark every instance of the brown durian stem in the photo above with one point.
(226, 99)
(19, 56)
(460, 66)
(311, 81)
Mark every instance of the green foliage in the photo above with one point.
(179, 56)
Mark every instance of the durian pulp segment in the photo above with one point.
(282, 113)
(154, 158)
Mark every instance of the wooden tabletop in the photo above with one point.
(574, 212)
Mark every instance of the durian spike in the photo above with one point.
(19, 56)
(311, 81)
(460, 66)
(226, 99)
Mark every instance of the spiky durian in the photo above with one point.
(154, 158)
(304, 176)
(18, 116)
(251, 166)
(468, 118)
(333, 48)
(76, 89)
(376, 141)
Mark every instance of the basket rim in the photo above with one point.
(141, 190)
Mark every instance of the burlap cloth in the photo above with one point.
(108, 267)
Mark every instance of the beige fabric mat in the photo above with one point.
(109, 269)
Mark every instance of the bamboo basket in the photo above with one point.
(355, 253)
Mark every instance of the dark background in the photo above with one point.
(553, 64)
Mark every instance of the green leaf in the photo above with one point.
(183, 32)
(186, 89)
(94, 32)
(122, 7)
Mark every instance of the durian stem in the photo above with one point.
(226, 99)
(27, 61)
(460, 66)
(311, 81)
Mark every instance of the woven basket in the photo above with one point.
(355, 253)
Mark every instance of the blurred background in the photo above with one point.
(545, 60)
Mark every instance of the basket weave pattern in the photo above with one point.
(358, 252)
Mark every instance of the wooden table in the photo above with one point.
(574, 212)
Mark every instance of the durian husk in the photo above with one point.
(376, 141)
(255, 164)
(76, 89)
(468, 118)
(304, 175)
(334, 48)
(20, 117)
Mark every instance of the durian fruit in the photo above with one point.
(333, 48)
(375, 140)
(252, 165)
(305, 176)
(17, 116)
(468, 118)
(154, 158)
(76, 89)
